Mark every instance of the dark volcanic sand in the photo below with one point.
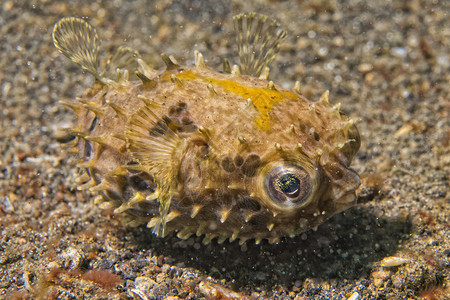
(387, 62)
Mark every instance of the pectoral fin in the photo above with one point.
(158, 149)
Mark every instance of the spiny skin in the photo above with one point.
(227, 156)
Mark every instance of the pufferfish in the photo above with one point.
(222, 155)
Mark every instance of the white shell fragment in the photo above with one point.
(393, 261)
(354, 296)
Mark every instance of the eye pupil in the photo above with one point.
(289, 184)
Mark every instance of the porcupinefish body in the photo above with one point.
(227, 155)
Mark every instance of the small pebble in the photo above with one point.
(399, 52)
(365, 68)
(160, 277)
(380, 276)
(354, 296)
(160, 261)
(261, 276)
(160, 290)
(397, 282)
(165, 268)
(144, 284)
(71, 258)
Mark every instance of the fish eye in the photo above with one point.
(288, 185)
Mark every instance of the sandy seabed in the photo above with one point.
(387, 62)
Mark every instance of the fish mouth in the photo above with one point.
(346, 201)
(349, 198)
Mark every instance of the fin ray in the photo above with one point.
(259, 39)
(78, 41)
(124, 58)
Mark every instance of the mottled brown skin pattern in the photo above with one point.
(196, 151)
(223, 174)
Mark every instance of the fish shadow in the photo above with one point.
(344, 247)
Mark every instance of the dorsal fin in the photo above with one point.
(79, 41)
(124, 58)
(158, 149)
(259, 39)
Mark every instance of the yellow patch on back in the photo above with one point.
(262, 98)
